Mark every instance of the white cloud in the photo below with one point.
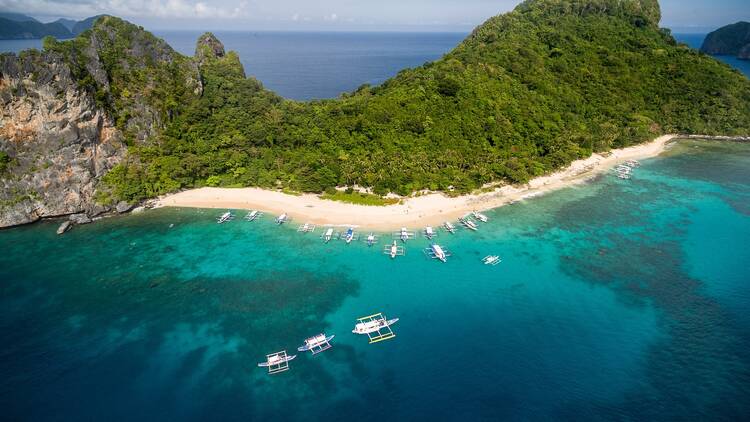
(180, 9)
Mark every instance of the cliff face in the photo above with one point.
(58, 142)
(730, 40)
(67, 113)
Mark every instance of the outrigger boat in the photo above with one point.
(227, 216)
(327, 235)
(277, 362)
(469, 224)
(376, 327)
(449, 227)
(479, 216)
(283, 218)
(394, 250)
(429, 233)
(316, 344)
(491, 260)
(623, 169)
(371, 239)
(403, 234)
(632, 163)
(349, 235)
(435, 251)
(306, 228)
(253, 215)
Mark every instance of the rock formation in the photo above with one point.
(59, 143)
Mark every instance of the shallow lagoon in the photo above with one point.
(615, 299)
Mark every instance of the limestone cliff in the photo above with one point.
(68, 112)
(57, 141)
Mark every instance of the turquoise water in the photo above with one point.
(614, 300)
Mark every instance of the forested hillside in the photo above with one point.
(526, 93)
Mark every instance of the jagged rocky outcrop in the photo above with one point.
(730, 40)
(59, 143)
(67, 113)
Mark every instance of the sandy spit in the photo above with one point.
(431, 209)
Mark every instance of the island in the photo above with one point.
(116, 117)
(16, 26)
(730, 40)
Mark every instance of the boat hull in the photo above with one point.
(374, 329)
(266, 364)
(306, 348)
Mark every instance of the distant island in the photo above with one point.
(15, 26)
(730, 40)
(116, 116)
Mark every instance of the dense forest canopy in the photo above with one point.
(526, 93)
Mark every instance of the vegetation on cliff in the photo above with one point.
(526, 93)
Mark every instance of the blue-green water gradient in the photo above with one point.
(615, 300)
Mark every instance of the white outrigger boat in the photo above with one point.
(632, 163)
(624, 169)
(283, 218)
(449, 227)
(403, 234)
(277, 362)
(306, 228)
(394, 250)
(328, 235)
(316, 344)
(349, 235)
(429, 233)
(376, 327)
(491, 260)
(253, 215)
(469, 224)
(371, 239)
(227, 216)
(479, 216)
(436, 251)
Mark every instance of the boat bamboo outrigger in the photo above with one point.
(376, 327)
(283, 218)
(429, 233)
(350, 235)
(394, 250)
(306, 228)
(328, 235)
(227, 216)
(449, 227)
(316, 344)
(479, 216)
(491, 260)
(404, 234)
(468, 224)
(277, 362)
(372, 239)
(436, 251)
(253, 215)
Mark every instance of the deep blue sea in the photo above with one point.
(615, 300)
(308, 65)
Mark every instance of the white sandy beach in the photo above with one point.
(431, 209)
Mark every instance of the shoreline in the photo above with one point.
(430, 209)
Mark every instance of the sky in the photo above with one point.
(343, 15)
